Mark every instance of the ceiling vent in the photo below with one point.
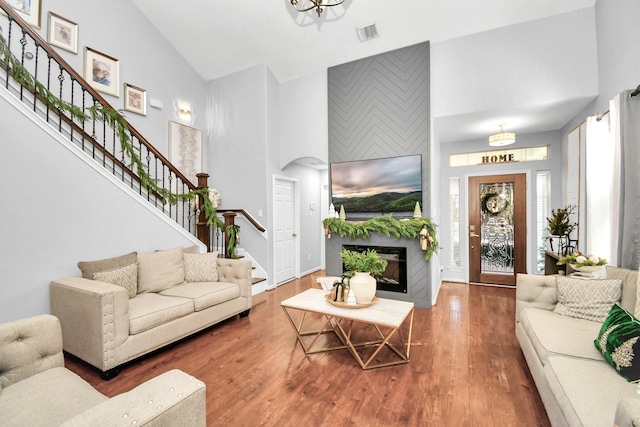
(367, 32)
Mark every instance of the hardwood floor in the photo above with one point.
(466, 369)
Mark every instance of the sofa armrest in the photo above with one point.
(535, 291)
(627, 412)
(170, 399)
(94, 316)
(29, 346)
(236, 271)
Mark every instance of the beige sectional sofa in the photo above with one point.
(127, 306)
(37, 390)
(576, 383)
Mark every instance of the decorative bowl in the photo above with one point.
(587, 268)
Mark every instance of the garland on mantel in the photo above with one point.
(389, 226)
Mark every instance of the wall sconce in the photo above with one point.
(184, 111)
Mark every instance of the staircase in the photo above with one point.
(40, 79)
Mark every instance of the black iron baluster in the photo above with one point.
(35, 76)
(148, 169)
(60, 82)
(23, 42)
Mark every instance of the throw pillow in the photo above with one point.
(160, 270)
(629, 282)
(190, 250)
(587, 299)
(89, 268)
(618, 342)
(201, 267)
(126, 277)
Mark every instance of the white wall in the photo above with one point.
(252, 132)
(618, 38)
(238, 151)
(531, 63)
(57, 210)
(304, 115)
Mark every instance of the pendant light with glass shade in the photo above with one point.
(503, 138)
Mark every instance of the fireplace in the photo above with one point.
(394, 278)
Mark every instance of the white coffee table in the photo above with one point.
(386, 315)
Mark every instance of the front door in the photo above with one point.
(497, 228)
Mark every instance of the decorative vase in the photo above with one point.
(558, 243)
(363, 285)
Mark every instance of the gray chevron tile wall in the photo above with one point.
(380, 107)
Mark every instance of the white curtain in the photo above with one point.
(628, 130)
(600, 193)
(612, 180)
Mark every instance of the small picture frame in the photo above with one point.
(135, 99)
(29, 10)
(62, 33)
(102, 71)
(185, 149)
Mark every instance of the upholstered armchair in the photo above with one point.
(37, 390)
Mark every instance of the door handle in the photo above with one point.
(295, 234)
(472, 234)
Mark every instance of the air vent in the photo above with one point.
(367, 32)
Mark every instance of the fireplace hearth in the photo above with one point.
(394, 278)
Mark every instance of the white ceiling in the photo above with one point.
(222, 37)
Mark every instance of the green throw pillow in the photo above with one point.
(618, 342)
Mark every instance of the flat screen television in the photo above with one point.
(387, 185)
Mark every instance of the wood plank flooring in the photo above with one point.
(466, 369)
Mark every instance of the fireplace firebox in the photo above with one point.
(394, 278)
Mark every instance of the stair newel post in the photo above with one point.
(229, 220)
(202, 229)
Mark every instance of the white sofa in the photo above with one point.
(37, 390)
(127, 306)
(577, 385)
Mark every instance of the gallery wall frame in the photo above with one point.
(135, 99)
(102, 71)
(62, 33)
(29, 10)
(185, 149)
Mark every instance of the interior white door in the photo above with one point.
(285, 230)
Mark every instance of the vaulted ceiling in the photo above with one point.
(222, 37)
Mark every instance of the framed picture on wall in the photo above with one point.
(102, 71)
(62, 33)
(185, 150)
(29, 10)
(135, 99)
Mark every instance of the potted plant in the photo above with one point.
(559, 226)
(362, 266)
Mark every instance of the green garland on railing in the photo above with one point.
(234, 238)
(389, 226)
(114, 119)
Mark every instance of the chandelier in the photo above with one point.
(318, 5)
(502, 138)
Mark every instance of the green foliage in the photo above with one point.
(387, 225)
(559, 224)
(384, 202)
(233, 231)
(116, 121)
(578, 260)
(363, 262)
